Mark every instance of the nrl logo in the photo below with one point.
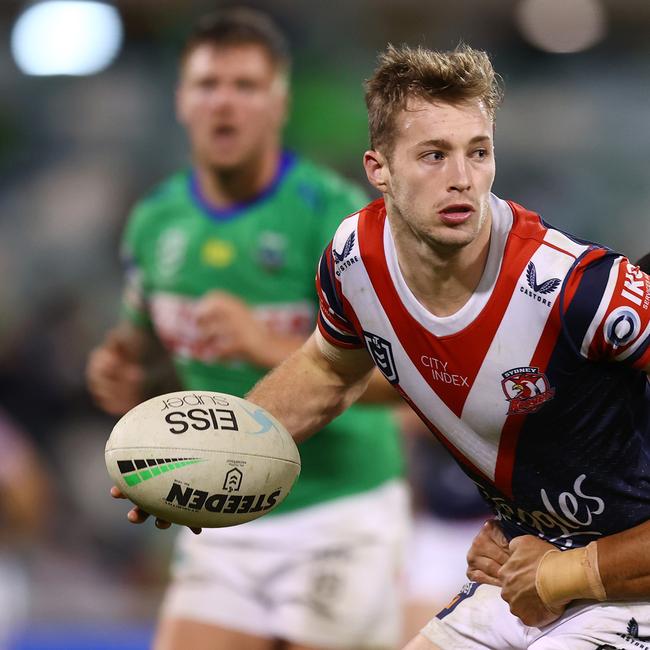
(233, 479)
(381, 352)
(526, 389)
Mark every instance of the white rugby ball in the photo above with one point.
(202, 459)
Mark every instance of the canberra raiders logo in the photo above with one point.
(381, 352)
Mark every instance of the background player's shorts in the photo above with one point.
(327, 575)
(479, 619)
(437, 557)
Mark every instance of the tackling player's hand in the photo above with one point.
(488, 552)
(137, 516)
(114, 378)
(229, 327)
(517, 577)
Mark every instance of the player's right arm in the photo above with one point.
(128, 367)
(314, 385)
(130, 364)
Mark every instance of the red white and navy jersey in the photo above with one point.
(535, 385)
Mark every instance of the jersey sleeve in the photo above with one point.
(333, 321)
(135, 299)
(608, 317)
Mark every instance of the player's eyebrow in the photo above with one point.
(441, 143)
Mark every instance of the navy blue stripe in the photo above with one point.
(335, 334)
(573, 238)
(328, 284)
(577, 318)
(641, 350)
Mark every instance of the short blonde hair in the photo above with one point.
(455, 77)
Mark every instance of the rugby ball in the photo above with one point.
(202, 459)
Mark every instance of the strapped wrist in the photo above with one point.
(563, 576)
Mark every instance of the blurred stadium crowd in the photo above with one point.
(76, 151)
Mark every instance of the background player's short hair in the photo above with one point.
(456, 76)
(644, 263)
(235, 26)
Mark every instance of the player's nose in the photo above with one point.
(459, 174)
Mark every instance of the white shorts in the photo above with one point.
(437, 557)
(479, 619)
(327, 575)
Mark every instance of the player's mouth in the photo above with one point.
(456, 213)
(224, 134)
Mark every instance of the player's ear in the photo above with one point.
(377, 170)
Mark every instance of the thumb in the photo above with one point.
(117, 343)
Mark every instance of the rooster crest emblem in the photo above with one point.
(526, 389)
(548, 286)
(347, 249)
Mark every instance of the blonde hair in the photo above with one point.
(455, 77)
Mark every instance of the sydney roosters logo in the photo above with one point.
(526, 389)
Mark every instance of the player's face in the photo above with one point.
(440, 172)
(232, 101)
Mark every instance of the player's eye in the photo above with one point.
(433, 156)
(481, 153)
(246, 85)
(207, 84)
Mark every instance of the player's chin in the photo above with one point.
(225, 161)
(452, 237)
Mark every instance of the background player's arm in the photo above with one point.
(129, 366)
(229, 326)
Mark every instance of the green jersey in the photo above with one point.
(177, 248)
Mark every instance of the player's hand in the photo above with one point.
(138, 516)
(114, 378)
(517, 577)
(229, 328)
(488, 553)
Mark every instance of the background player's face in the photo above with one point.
(232, 101)
(440, 171)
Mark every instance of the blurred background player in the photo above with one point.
(220, 263)
(23, 511)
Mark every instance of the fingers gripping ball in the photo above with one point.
(202, 459)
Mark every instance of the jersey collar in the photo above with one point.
(287, 160)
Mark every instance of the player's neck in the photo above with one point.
(225, 188)
(443, 280)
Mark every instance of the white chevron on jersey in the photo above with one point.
(480, 450)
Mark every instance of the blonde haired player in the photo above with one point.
(547, 337)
